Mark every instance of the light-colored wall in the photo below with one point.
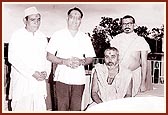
(54, 15)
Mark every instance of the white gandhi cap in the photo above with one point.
(30, 11)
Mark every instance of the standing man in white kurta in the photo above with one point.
(74, 50)
(133, 51)
(27, 54)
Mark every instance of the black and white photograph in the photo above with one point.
(84, 57)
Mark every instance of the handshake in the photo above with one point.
(73, 62)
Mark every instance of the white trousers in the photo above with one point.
(29, 104)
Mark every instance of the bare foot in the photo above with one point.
(142, 88)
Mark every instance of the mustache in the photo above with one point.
(126, 28)
(110, 63)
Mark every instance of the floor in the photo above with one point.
(158, 90)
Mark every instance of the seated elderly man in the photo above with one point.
(110, 80)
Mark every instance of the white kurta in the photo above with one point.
(67, 46)
(27, 54)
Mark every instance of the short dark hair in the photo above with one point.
(77, 9)
(111, 48)
(129, 16)
(26, 18)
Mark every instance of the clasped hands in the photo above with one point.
(73, 62)
(40, 76)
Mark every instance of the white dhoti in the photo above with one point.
(29, 103)
(130, 46)
(136, 78)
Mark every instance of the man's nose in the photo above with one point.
(127, 26)
(36, 21)
(75, 19)
(110, 59)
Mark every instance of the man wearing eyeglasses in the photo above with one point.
(133, 51)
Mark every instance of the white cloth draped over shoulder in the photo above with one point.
(119, 86)
(128, 44)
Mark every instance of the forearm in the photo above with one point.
(144, 67)
(87, 61)
(144, 71)
(96, 98)
(56, 60)
(72, 62)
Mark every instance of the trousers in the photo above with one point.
(69, 97)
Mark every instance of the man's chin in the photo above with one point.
(127, 31)
(34, 29)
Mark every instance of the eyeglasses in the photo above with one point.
(130, 23)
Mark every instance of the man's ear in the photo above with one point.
(25, 21)
(135, 26)
(67, 19)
